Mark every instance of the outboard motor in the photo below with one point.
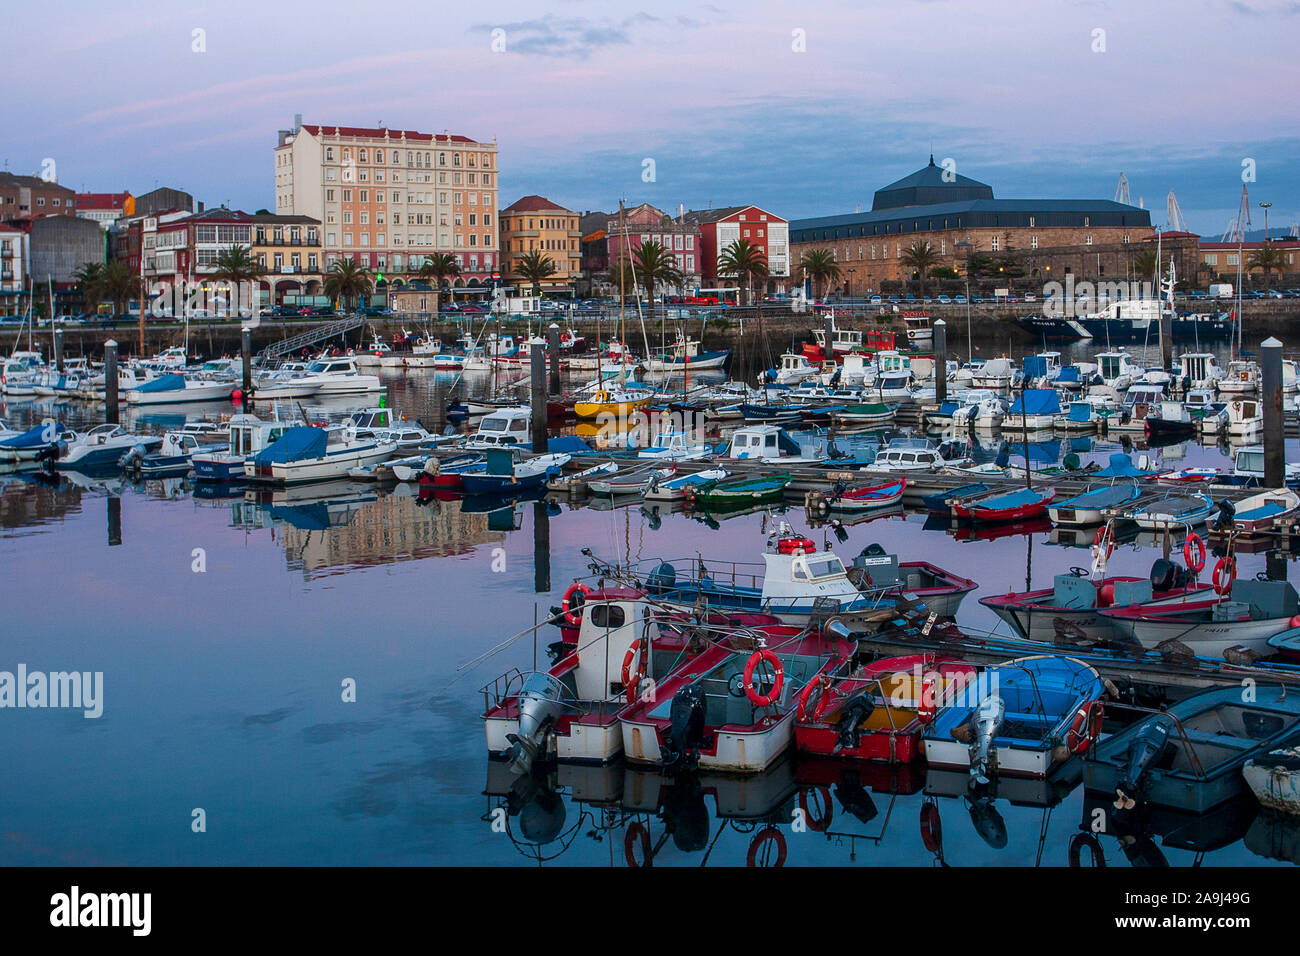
(985, 724)
(1165, 575)
(1148, 744)
(541, 701)
(854, 712)
(686, 730)
(1227, 511)
(662, 578)
(987, 821)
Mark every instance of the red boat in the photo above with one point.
(868, 497)
(844, 341)
(569, 615)
(1006, 505)
(875, 712)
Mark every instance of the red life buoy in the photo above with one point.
(564, 336)
(931, 827)
(637, 833)
(822, 822)
(628, 685)
(755, 698)
(1225, 572)
(569, 607)
(803, 714)
(1084, 728)
(1105, 539)
(1194, 542)
(768, 834)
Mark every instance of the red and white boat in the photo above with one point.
(731, 708)
(876, 712)
(1006, 505)
(1189, 476)
(868, 497)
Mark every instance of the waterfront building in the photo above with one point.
(105, 208)
(535, 224)
(30, 197)
(719, 228)
(13, 269)
(645, 223)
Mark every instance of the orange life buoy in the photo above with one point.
(569, 607)
(778, 682)
(803, 715)
(768, 834)
(637, 833)
(630, 687)
(931, 827)
(1085, 727)
(1225, 572)
(822, 822)
(564, 336)
(1194, 542)
(1105, 539)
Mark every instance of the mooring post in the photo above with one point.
(246, 353)
(110, 382)
(541, 548)
(941, 361)
(538, 398)
(829, 349)
(58, 350)
(554, 332)
(1271, 395)
(114, 520)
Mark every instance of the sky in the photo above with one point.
(804, 108)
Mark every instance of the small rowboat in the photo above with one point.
(872, 413)
(1087, 508)
(1261, 511)
(632, 482)
(739, 492)
(1189, 476)
(450, 472)
(1006, 505)
(940, 501)
(674, 489)
(1174, 513)
(568, 482)
(869, 498)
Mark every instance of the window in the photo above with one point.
(347, 195)
(329, 154)
(994, 244)
(1033, 242)
(607, 615)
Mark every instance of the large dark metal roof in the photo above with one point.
(928, 186)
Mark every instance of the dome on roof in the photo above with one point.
(928, 187)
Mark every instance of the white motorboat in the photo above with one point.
(308, 453)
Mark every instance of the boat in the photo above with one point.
(102, 445)
(674, 489)
(765, 442)
(870, 413)
(506, 472)
(921, 454)
(633, 482)
(1241, 377)
(40, 441)
(1035, 409)
(794, 368)
(875, 711)
(1174, 513)
(308, 453)
(503, 427)
(1259, 512)
(1242, 614)
(579, 479)
(1191, 756)
(674, 446)
(338, 376)
(920, 333)
(940, 501)
(738, 492)
(1080, 418)
(1170, 421)
(686, 356)
(247, 435)
(1245, 417)
(1022, 718)
(1088, 508)
(622, 403)
(173, 459)
(175, 389)
(1006, 505)
(865, 497)
(444, 473)
(1274, 778)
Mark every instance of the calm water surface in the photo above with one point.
(223, 690)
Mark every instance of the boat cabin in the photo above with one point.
(505, 426)
(763, 441)
(613, 620)
(371, 419)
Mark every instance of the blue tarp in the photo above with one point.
(1035, 366)
(1040, 453)
(948, 408)
(1080, 412)
(1121, 466)
(37, 437)
(301, 441)
(163, 383)
(1068, 373)
(1039, 401)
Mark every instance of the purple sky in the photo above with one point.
(713, 92)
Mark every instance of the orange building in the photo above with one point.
(535, 224)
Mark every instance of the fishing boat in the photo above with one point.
(1170, 421)
(507, 472)
(1174, 513)
(1005, 505)
(1035, 409)
(854, 500)
(1245, 418)
(1022, 718)
(674, 489)
(247, 435)
(727, 708)
(634, 482)
(739, 492)
(621, 403)
(1244, 613)
(1087, 508)
(1242, 376)
(1274, 778)
(1071, 610)
(875, 711)
(102, 445)
(1080, 418)
(307, 453)
(1259, 512)
(1191, 756)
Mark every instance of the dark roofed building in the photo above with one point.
(928, 187)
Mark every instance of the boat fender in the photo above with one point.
(1194, 545)
(630, 685)
(1085, 727)
(778, 680)
(931, 827)
(769, 834)
(572, 602)
(1080, 840)
(821, 684)
(819, 822)
(1295, 621)
(1106, 595)
(1225, 572)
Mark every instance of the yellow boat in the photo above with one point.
(618, 404)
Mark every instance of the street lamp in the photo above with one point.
(1265, 206)
(851, 271)
(970, 352)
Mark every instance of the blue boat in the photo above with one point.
(507, 473)
(32, 443)
(1087, 508)
(1191, 756)
(1022, 718)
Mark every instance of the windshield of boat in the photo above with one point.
(824, 566)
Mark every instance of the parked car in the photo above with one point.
(957, 299)
(876, 300)
(976, 298)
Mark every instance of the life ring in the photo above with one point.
(1085, 727)
(803, 715)
(569, 607)
(1194, 542)
(755, 698)
(818, 823)
(767, 834)
(637, 833)
(630, 687)
(564, 336)
(931, 827)
(1105, 539)
(1094, 850)
(1225, 572)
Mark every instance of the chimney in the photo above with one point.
(297, 122)
(200, 206)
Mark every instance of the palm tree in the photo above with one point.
(622, 276)
(347, 280)
(745, 261)
(118, 284)
(90, 279)
(820, 266)
(439, 266)
(1146, 263)
(655, 265)
(1267, 257)
(237, 264)
(922, 257)
(534, 267)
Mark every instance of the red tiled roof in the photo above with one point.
(392, 134)
(533, 204)
(101, 200)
